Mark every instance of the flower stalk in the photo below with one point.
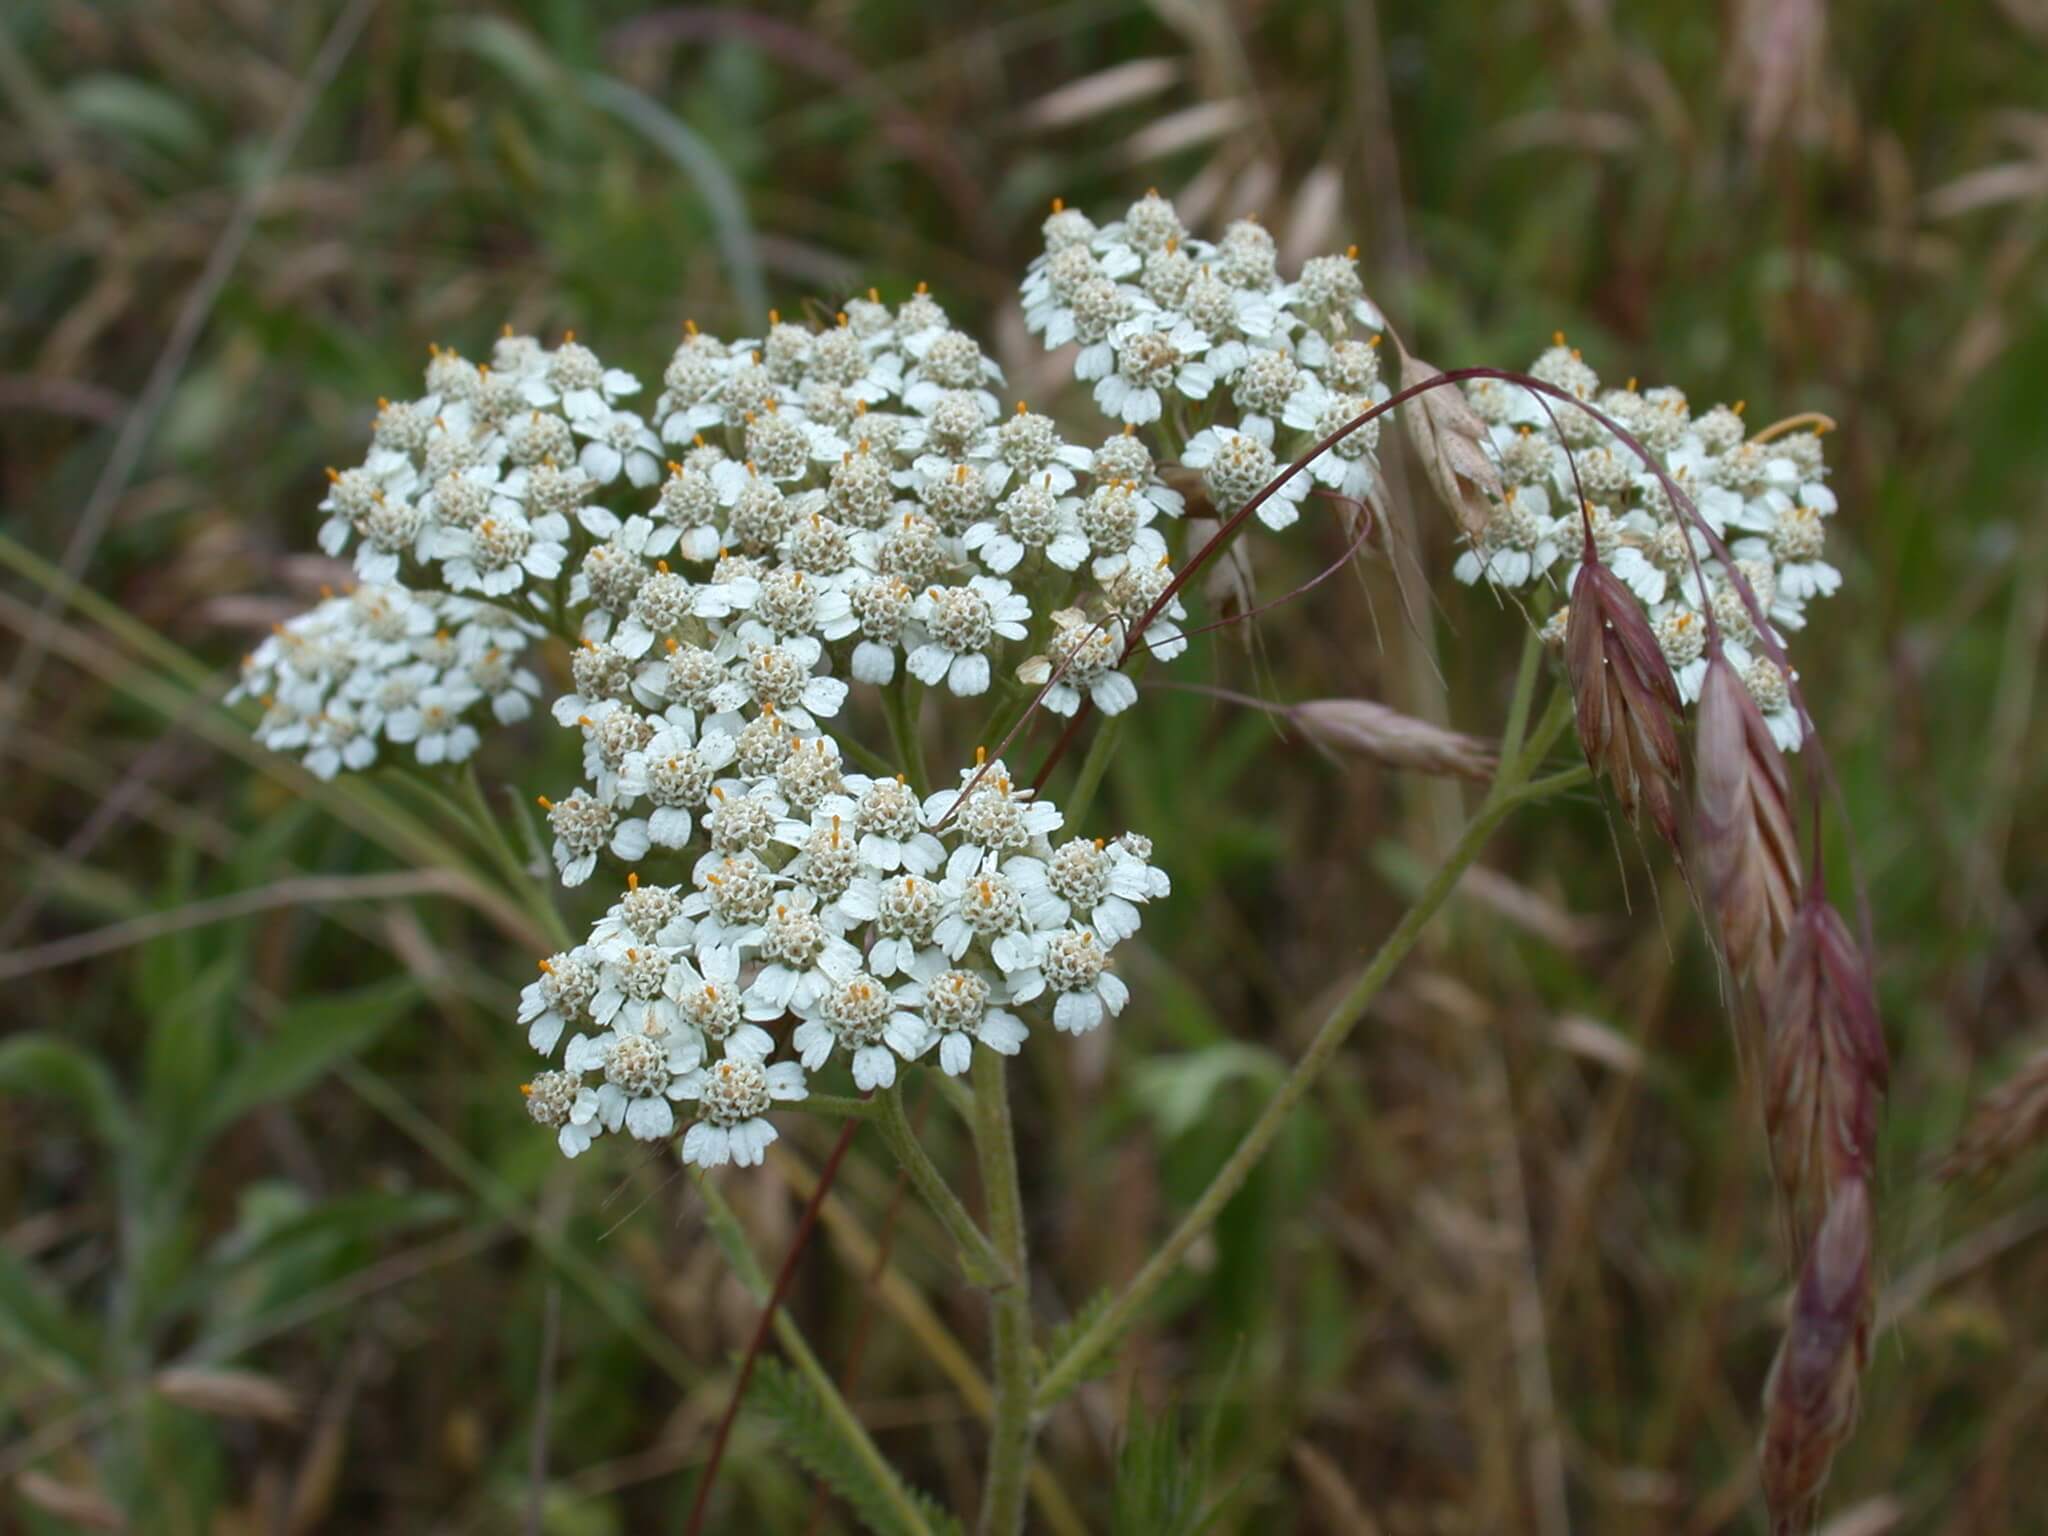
(1513, 788)
(1010, 1435)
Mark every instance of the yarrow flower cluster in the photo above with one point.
(879, 927)
(797, 514)
(1169, 326)
(1766, 497)
(383, 666)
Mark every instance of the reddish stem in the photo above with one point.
(694, 1526)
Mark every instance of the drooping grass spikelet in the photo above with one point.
(1746, 841)
(2008, 1120)
(1810, 1397)
(1825, 1067)
(1626, 699)
(1387, 736)
(1450, 439)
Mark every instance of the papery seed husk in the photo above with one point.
(86, 1508)
(227, 1394)
(1825, 1067)
(1450, 438)
(1811, 1394)
(1747, 842)
(2009, 1120)
(1388, 736)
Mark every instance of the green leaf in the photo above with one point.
(1177, 1089)
(56, 1069)
(310, 1039)
(1163, 1478)
(808, 1435)
(1062, 1339)
(187, 1046)
(38, 1327)
(135, 111)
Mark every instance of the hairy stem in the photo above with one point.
(1512, 789)
(979, 1260)
(726, 1230)
(1089, 779)
(1010, 1433)
(899, 700)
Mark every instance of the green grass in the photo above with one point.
(287, 1141)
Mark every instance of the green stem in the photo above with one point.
(837, 1106)
(1077, 800)
(1511, 791)
(872, 761)
(900, 702)
(727, 1232)
(491, 833)
(979, 1260)
(1525, 692)
(1013, 1426)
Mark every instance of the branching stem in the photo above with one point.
(1511, 790)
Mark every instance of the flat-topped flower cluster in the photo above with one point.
(1767, 497)
(385, 665)
(885, 927)
(826, 505)
(1250, 369)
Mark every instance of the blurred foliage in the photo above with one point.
(1513, 1268)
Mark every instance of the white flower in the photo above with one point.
(642, 1072)
(338, 740)
(978, 903)
(676, 770)
(1347, 466)
(619, 440)
(1105, 883)
(584, 826)
(960, 625)
(858, 1015)
(500, 552)
(561, 996)
(1157, 351)
(733, 1098)
(1236, 467)
(433, 723)
(643, 915)
(612, 731)
(1519, 543)
(1076, 970)
(710, 1003)
(779, 678)
(1083, 655)
(734, 895)
(1033, 516)
(1770, 688)
(990, 812)
(804, 952)
(958, 1007)
(885, 817)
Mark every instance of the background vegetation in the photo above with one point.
(1513, 1270)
